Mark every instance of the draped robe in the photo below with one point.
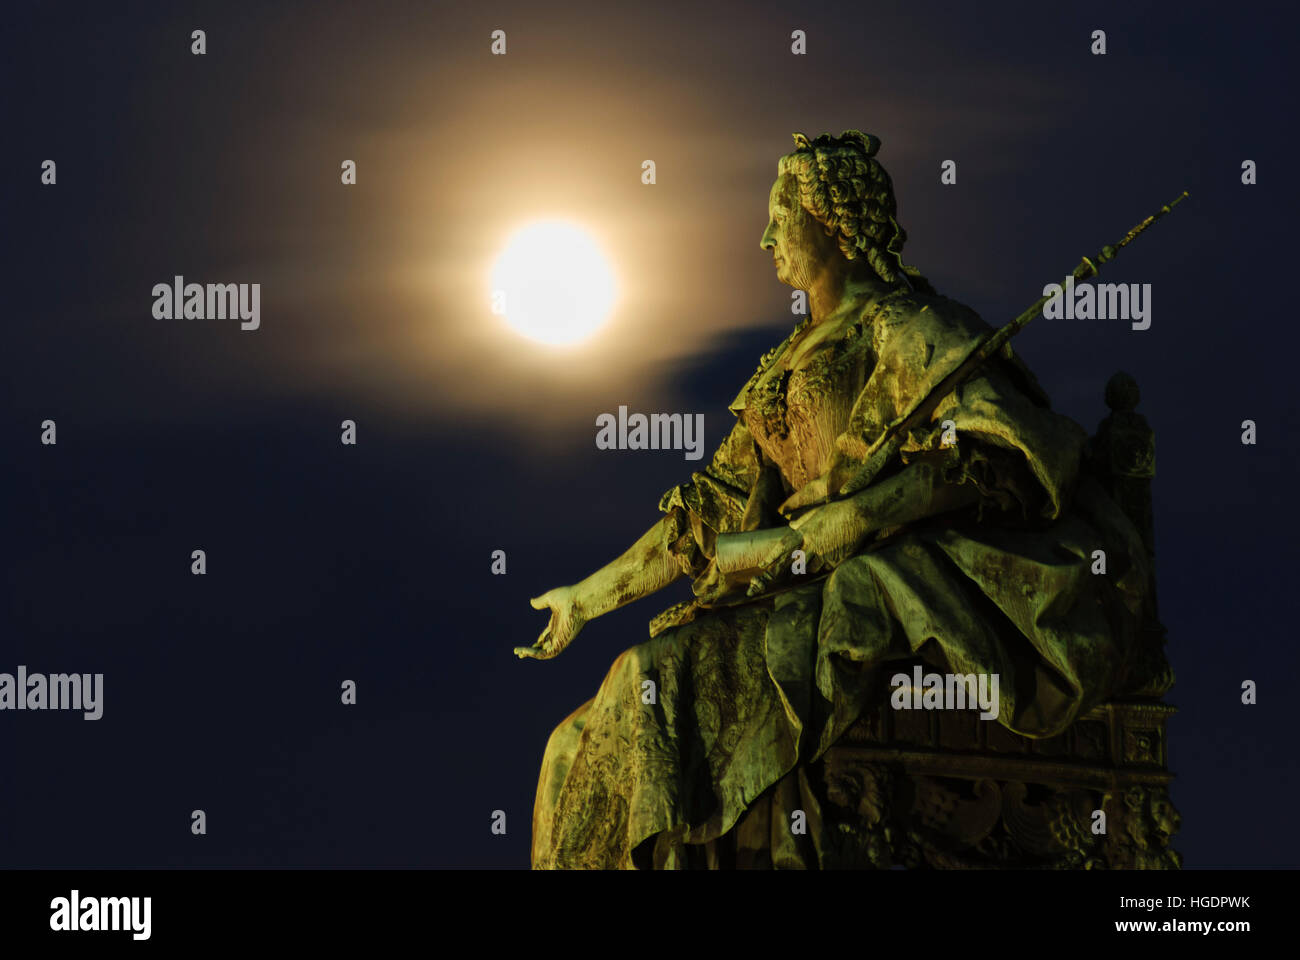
(746, 695)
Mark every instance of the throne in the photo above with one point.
(945, 790)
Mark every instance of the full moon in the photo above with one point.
(552, 283)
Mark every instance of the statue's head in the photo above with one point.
(832, 200)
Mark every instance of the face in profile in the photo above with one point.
(799, 244)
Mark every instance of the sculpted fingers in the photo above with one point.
(565, 622)
(810, 493)
(544, 647)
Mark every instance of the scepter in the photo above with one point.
(887, 445)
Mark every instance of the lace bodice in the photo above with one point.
(796, 414)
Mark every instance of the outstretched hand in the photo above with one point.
(566, 621)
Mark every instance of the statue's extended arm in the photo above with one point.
(643, 568)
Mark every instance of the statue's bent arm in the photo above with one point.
(832, 531)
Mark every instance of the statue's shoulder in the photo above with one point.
(912, 320)
(927, 329)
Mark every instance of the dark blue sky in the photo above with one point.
(372, 563)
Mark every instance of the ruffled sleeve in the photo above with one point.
(713, 501)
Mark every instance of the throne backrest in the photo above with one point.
(1122, 456)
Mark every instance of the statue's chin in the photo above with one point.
(786, 276)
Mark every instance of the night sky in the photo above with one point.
(372, 562)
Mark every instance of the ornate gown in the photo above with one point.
(747, 695)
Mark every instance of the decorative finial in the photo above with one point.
(1122, 393)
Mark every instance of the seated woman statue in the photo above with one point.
(973, 550)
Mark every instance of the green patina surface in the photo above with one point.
(976, 555)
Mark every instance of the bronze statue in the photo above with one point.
(974, 548)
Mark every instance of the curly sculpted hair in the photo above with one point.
(844, 188)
